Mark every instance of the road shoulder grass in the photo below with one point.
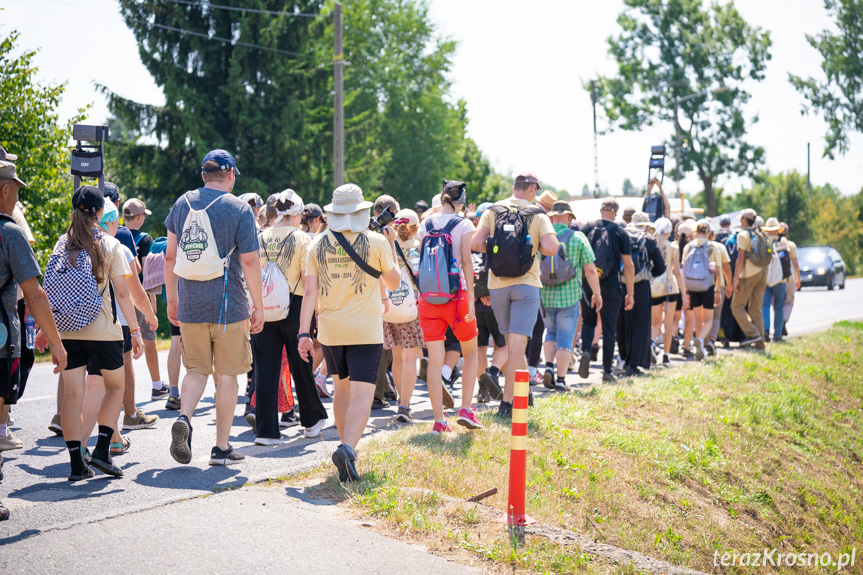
(737, 454)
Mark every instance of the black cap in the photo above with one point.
(421, 206)
(313, 211)
(88, 199)
(112, 192)
(724, 221)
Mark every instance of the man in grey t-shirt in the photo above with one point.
(214, 315)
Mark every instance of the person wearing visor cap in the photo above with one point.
(214, 315)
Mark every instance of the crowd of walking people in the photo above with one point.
(287, 297)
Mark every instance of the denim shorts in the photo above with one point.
(560, 324)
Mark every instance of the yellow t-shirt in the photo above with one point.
(539, 226)
(103, 327)
(743, 244)
(712, 252)
(671, 253)
(724, 259)
(289, 248)
(349, 300)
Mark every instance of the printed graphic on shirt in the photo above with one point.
(335, 264)
(397, 296)
(194, 242)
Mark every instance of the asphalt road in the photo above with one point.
(40, 499)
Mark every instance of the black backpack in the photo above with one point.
(641, 262)
(600, 242)
(509, 252)
(652, 206)
(784, 260)
(480, 275)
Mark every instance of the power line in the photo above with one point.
(251, 10)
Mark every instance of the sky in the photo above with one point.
(519, 66)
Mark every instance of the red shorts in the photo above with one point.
(434, 319)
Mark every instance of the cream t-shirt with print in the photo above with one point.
(539, 226)
(103, 328)
(289, 248)
(350, 311)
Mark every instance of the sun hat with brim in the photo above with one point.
(641, 219)
(8, 172)
(561, 209)
(547, 199)
(348, 210)
(772, 225)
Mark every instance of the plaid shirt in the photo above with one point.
(579, 253)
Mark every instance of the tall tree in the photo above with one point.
(31, 128)
(677, 48)
(840, 97)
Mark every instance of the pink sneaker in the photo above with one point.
(467, 418)
(536, 378)
(321, 384)
(439, 429)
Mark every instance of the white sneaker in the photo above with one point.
(10, 442)
(268, 441)
(315, 430)
(699, 348)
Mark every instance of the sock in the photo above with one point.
(443, 423)
(494, 370)
(351, 453)
(103, 444)
(446, 371)
(549, 365)
(531, 370)
(403, 406)
(75, 455)
(157, 384)
(175, 392)
(3, 430)
(561, 379)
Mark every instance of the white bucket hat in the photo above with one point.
(348, 212)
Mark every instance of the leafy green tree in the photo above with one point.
(677, 48)
(840, 97)
(30, 128)
(783, 196)
(628, 188)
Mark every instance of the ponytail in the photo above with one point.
(82, 236)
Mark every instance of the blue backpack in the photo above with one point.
(439, 276)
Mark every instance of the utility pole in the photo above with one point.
(677, 156)
(339, 99)
(808, 171)
(595, 148)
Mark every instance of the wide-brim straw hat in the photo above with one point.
(547, 199)
(347, 199)
(772, 225)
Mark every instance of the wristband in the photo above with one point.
(302, 335)
(136, 330)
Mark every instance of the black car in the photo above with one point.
(821, 266)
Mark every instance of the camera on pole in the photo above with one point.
(656, 165)
(88, 155)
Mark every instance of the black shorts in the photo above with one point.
(354, 362)
(127, 339)
(450, 341)
(10, 380)
(701, 298)
(672, 298)
(175, 329)
(96, 355)
(486, 324)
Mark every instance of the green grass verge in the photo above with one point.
(738, 454)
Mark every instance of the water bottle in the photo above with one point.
(453, 268)
(414, 259)
(30, 331)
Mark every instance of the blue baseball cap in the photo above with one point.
(483, 207)
(222, 157)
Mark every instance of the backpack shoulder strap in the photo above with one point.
(349, 249)
(407, 264)
(531, 211)
(450, 225)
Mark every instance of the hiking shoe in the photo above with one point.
(315, 430)
(10, 442)
(710, 349)
(219, 456)
(504, 409)
(548, 378)
(404, 415)
(54, 427)
(141, 420)
(288, 419)
(467, 418)
(699, 348)
(482, 395)
(584, 367)
(79, 475)
(345, 463)
(160, 393)
(106, 466)
(181, 440)
(490, 383)
(665, 362)
(687, 354)
(424, 369)
(321, 385)
(560, 385)
(379, 404)
(266, 441)
(594, 352)
(448, 401)
(751, 341)
(438, 428)
(608, 377)
(173, 403)
(675, 345)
